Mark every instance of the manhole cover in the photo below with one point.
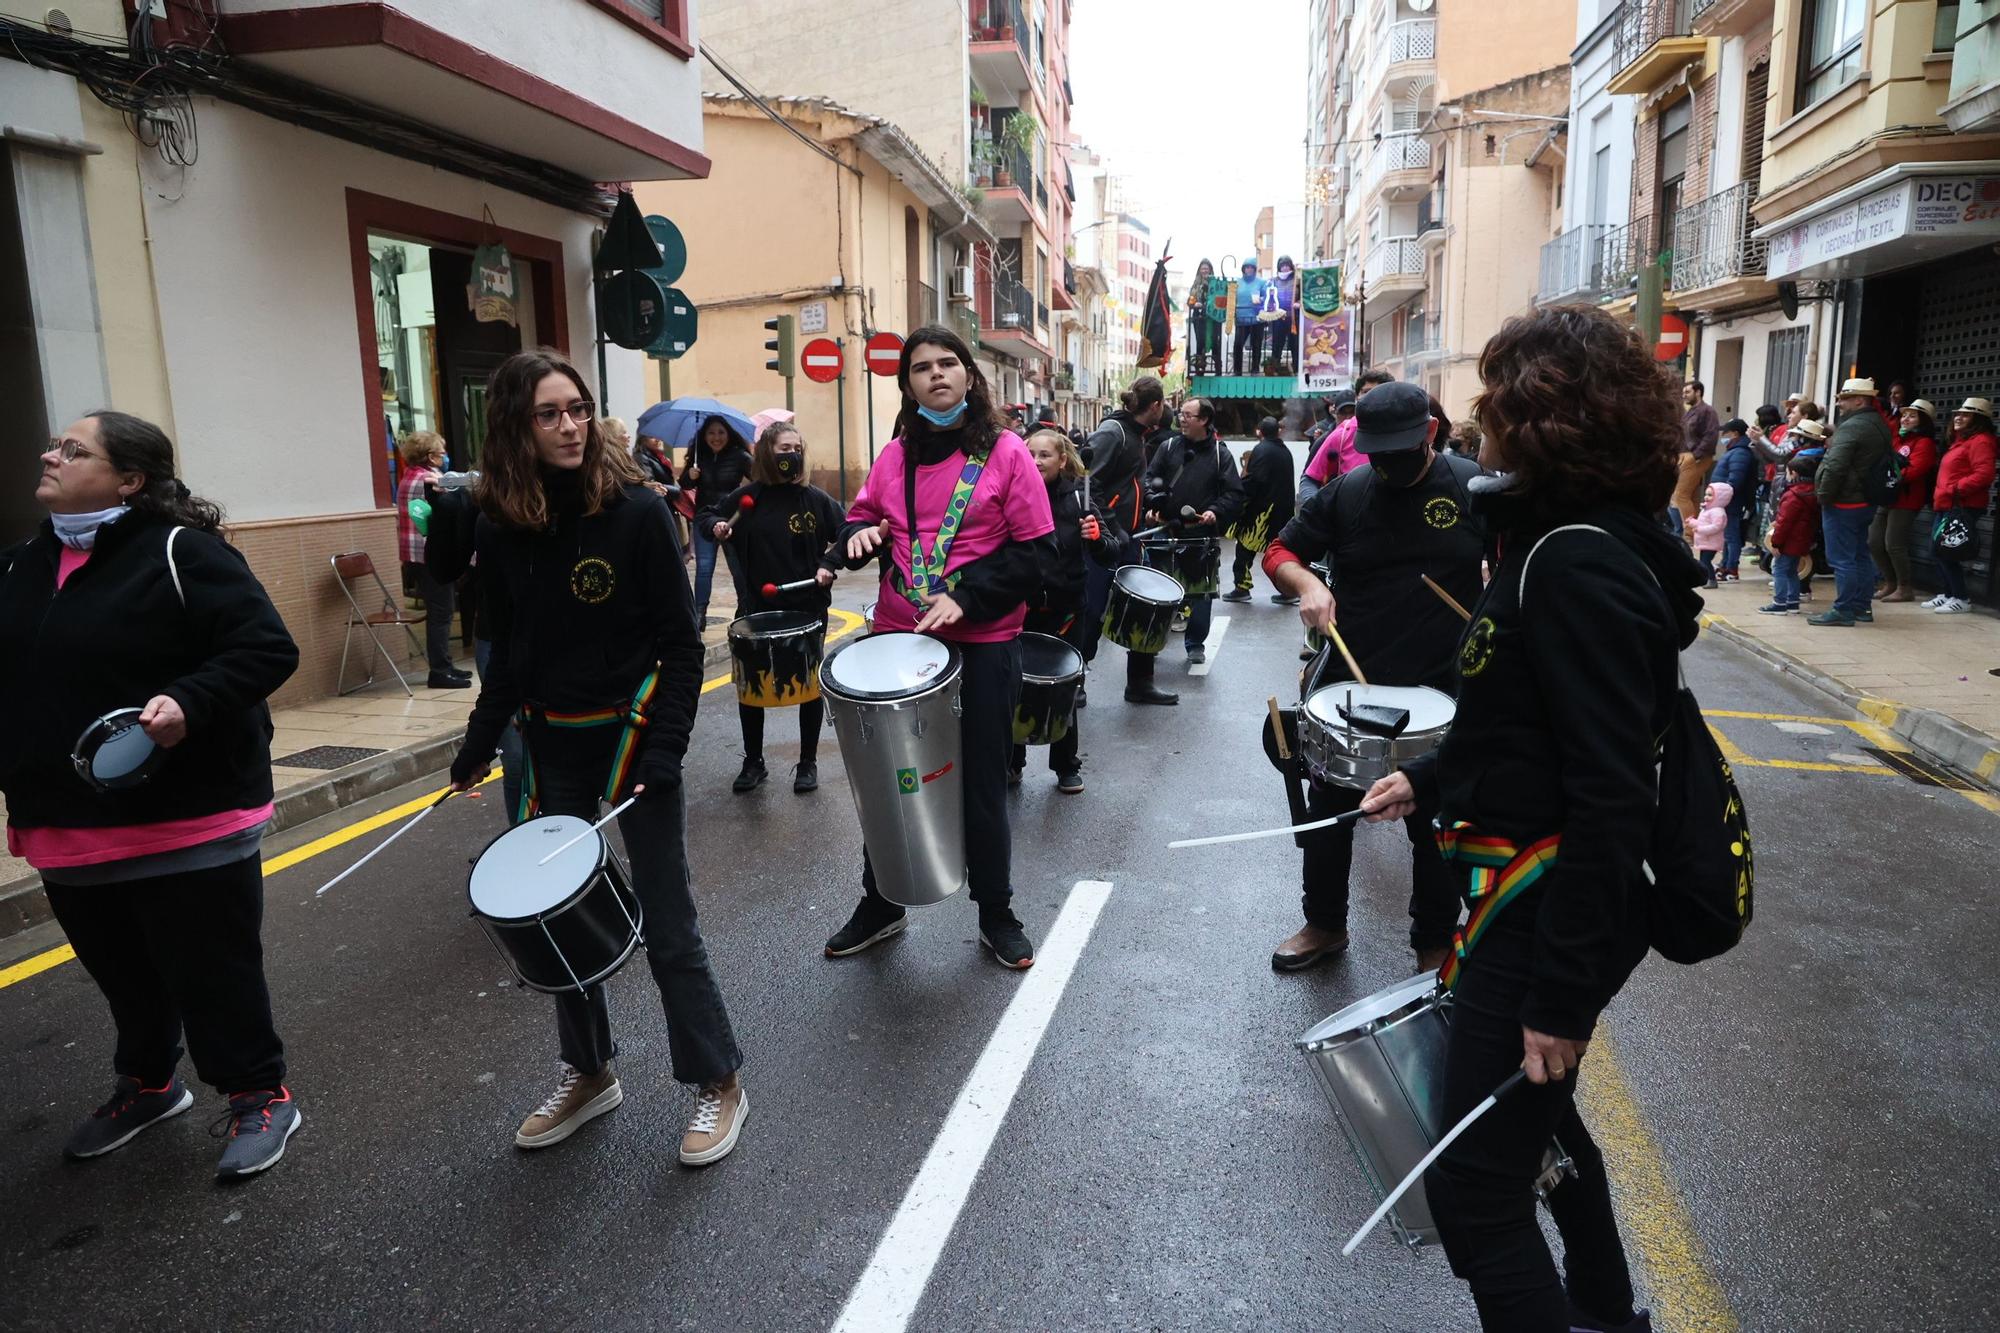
(326, 756)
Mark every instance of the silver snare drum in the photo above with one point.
(1339, 753)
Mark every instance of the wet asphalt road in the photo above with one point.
(1817, 1102)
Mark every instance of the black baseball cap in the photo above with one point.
(1391, 416)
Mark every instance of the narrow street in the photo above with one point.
(1801, 1133)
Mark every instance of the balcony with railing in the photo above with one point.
(1655, 38)
(1573, 265)
(1430, 220)
(1001, 46)
(1422, 339)
(1400, 165)
(1622, 253)
(1712, 241)
(926, 307)
(1412, 42)
(1395, 266)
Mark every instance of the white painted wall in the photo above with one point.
(1725, 165)
(255, 288)
(629, 74)
(1755, 331)
(1597, 118)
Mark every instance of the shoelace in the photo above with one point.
(118, 1102)
(244, 1116)
(563, 1087)
(707, 1111)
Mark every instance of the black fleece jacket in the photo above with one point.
(1560, 708)
(781, 538)
(720, 473)
(113, 636)
(1062, 581)
(1117, 461)
(1196, 473)
(578, 613)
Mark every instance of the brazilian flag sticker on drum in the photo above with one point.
(906, 781)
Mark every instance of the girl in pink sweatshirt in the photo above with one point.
(1711, 525)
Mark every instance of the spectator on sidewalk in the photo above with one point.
(1700, 427)
(1809, 435)
(423, 456)
(717, 463)
(1860, 443)
(1792, 536)
(1708, 533)
(1964, 490)
(1737, 469)
(1889, 534)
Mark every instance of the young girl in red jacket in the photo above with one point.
(1792, 536)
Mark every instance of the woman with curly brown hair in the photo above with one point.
(1547, 789)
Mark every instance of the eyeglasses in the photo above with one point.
(581, 411)
(69, 450)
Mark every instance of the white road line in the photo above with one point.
(1215, 631)
(887, 1293)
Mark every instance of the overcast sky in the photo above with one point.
(1199, 108)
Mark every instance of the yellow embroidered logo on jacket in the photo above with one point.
(1477, 651)
(591, 580)
(1441, 511)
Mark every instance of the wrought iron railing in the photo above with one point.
(1712, 241)
(1643, 22)
(1622, 253)
(1573, 264)
(988, 20)
(1013, 305)
(927, 303)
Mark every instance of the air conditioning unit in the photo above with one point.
(961, 284)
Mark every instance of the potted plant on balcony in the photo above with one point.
(1014, 140)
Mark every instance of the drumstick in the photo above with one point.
(417, 819)
(1149, 532)
(1278, 730)
(797, 585)
(1347, 818)
(1333, 632)
(616, 811)
(743, 506)
(1418, 1170)
(1449, 600)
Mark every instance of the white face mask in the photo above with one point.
(79, 531)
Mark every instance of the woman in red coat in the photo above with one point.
(1964, 489)
(1889, 535)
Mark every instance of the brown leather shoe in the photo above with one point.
(1309, 948)
(1430, 960)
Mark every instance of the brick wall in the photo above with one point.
(1645, 166)
(1701, 143)
(290, 557)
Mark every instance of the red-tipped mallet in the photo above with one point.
(797, 585)
(743, 506)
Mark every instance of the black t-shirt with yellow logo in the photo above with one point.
(1380, 541)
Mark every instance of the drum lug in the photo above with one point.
(917, 727)
(957, 707)
(866, 727)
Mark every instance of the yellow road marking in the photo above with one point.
(1683, 1289)
(1738, 758)
(56, 957)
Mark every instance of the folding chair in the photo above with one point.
(352, 566)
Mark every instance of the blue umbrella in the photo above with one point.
(675, 423)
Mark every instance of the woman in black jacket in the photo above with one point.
(1057, 607)
(717, 463)
(592, 624)
(1267, 507)
(130, 597)
(780, 539)
(1548, 795)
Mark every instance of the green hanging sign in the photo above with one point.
(1319, 289)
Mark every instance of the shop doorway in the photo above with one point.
(1728, 378)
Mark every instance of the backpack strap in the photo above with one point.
(174, 569)
(1521, 594)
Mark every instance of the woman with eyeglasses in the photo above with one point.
(592, 626)
(129, 598)
(717, 463)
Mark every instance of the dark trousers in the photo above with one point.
(698, 1032)
(1203, 333)
(1200, 614)
(181, 954)
(1846, 532)
(1329, 862)
(440, 601)
(1249, 347)
(1482, 1190)
(989, 688)
(1063, 753)
(810, 717)
(1244, 566)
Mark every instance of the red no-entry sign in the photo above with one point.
(820, 359)
(1673, 338)
(885, 353)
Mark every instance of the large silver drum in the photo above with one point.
(1341, 753)
(894, 700)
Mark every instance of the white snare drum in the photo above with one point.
(1341, 753)
(564, 926)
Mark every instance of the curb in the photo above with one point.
(1938, 737)
(23, 905)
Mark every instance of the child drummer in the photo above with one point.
(1056, 608)
(780, 537)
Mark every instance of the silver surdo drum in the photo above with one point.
(563, 926)
(894, 700)
(1340, 749)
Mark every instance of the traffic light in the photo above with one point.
(781, 347)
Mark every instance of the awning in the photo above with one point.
(1907, 214)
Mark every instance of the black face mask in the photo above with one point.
(789, 466)
(1402, 467)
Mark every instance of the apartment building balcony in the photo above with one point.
(1000, 45)
(1400, 168)
(1395, 268)
(1573, 265)
(1430, 221)
(1655, 39)
(1423, 341)
(1729, 18)
(1008, 177)
(1717, 261)
(1621, 254)
(1013, 320)
(1406, 54)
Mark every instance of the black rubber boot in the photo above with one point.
(1139, 687)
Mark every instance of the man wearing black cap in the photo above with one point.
(1382, 527)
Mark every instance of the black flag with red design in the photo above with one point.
(1156, 324)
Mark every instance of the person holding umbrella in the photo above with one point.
(716, 464)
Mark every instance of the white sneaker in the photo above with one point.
(1954, 606)
(1936, 602)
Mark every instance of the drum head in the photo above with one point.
(508, 885)
(888, 666)
(1047, 659)
(115, 752)
(1380, 1005)
(1149, 585)
(766, 623)
(1429, 709)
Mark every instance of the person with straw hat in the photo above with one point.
(1860, 443)
(1889, 535)
(1964, 490)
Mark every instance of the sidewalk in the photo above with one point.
(342, 751)
(1924, 677)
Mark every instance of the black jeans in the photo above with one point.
(810, 717)
(1482, 1190)
(1329, 861)
(440, 601)
(1251, 337)
(181, 953)
(698, 1031)
(989, 689)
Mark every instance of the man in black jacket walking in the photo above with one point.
(1190, 471)
(1267, 507)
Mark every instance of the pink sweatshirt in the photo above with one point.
(1712, 522)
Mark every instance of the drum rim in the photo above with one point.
(1040, 678)
(946, 676)
(118, 719)
(604, 855)
(492, 930)
(809, 622)
(1371, 1010)
(1139, 596)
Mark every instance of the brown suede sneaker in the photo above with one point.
(577, 1100)
(1310, 947)
(719, 1112)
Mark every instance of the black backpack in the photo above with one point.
(1699, 863)
(1882, 480)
